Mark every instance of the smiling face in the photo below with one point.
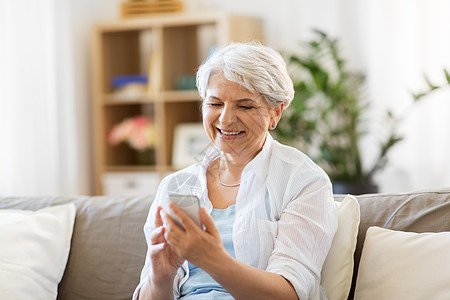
(235, 119)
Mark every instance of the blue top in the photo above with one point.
(200, 285)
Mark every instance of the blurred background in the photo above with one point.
(47, 120)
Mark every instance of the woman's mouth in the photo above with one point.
(227, 133)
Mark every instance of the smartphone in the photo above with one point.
(190, 204)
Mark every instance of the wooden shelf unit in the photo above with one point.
(165, 47)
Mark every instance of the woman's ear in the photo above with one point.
(276, 116)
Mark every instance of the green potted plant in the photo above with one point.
(326, 120)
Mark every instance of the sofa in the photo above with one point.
(108, 248)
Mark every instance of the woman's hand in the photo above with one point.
(204, 248)
(165, 261)
(200, 247)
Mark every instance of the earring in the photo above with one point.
(273, 126)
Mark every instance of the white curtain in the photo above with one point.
(39, 146)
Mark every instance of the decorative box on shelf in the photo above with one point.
(130, 183)
(129, 87)
(148, 7)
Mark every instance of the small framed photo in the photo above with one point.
(190, 144)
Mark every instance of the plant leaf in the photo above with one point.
(430, 85)
(447, 75)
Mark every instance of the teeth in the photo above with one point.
(230, 132)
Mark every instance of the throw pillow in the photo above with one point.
(34, 250)
(337, 270)
(404, 265)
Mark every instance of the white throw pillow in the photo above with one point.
(337, 271)
(404, 265)
(34, 247)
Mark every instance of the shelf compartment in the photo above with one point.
(121, 55)
(124, 53)
(174, 114)
(123, 154)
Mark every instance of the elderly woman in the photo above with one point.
(268, 217)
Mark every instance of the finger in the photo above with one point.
(157, 248)
(157, 235)
(172, 231)
(158, 221)
(208, 222)
(184, 218)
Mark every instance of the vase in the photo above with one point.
(145, 157)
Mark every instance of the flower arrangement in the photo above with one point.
(139, 132)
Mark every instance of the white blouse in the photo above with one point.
(285, 215)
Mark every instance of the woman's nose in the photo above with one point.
(227, 115)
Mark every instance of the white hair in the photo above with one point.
(258, 68)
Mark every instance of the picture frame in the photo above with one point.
(190, 144)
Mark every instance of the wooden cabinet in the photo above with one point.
(168, 48)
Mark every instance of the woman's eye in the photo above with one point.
(246, 107)
(214, 104)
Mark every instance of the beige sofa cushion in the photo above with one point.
(34, 250)
(337, 270)
(404, 265)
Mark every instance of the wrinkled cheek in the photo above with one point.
(211, 135)
(209, 128)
